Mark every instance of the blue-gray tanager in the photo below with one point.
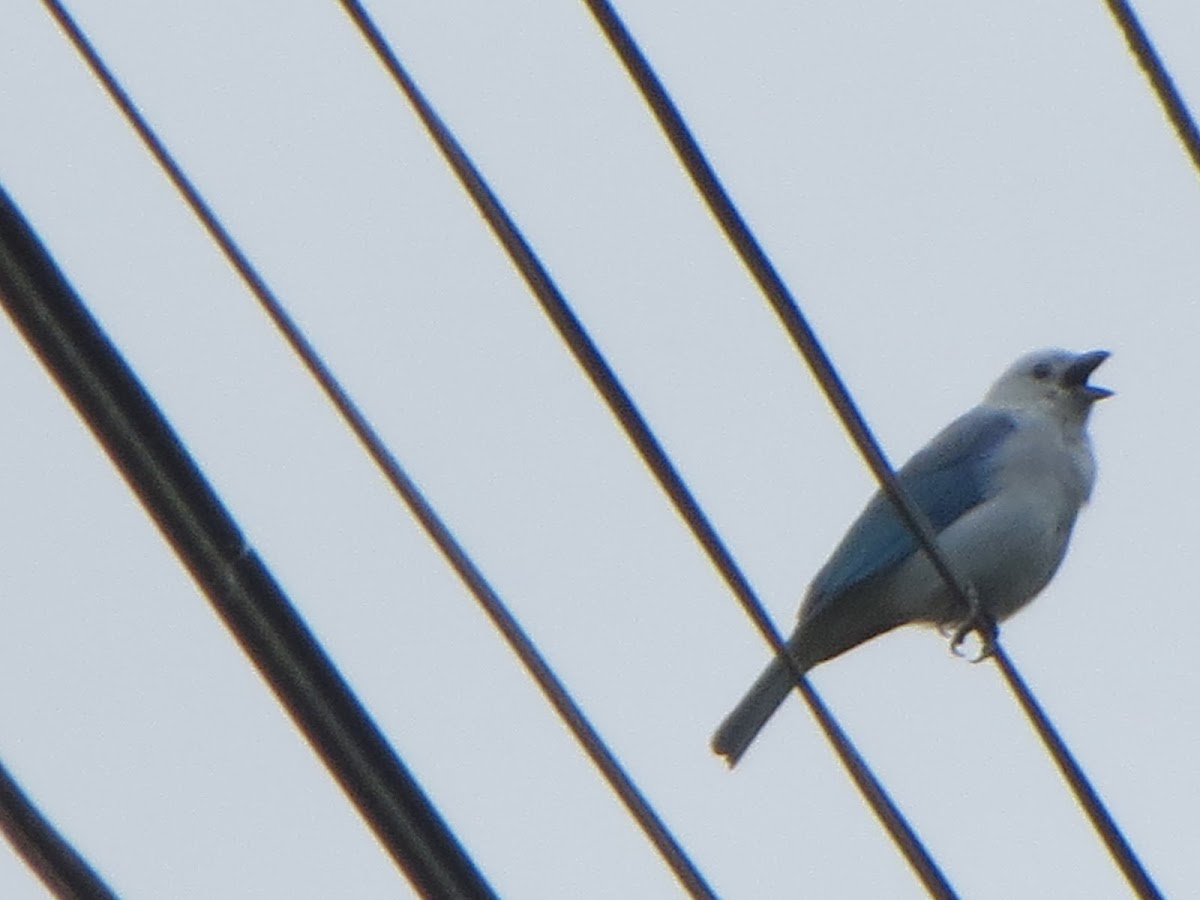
(1001, 486)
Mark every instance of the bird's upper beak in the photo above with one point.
(1077, 373)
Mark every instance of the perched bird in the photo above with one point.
(1001, 486)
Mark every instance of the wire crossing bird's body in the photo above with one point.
(1001, 485)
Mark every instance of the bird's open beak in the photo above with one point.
(1077, 374)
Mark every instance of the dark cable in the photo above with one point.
(1160, 78)
(781, 300)
(618, 779)
(622, 406)
(738, 233)
(64, 872)
(149, 455)
(1131, 867)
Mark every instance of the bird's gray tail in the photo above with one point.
(742, 725)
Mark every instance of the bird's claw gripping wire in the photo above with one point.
(977, 620)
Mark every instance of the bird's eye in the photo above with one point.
(1042, 371)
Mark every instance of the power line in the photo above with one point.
(806, 341)
(554, 690)
(61, 868)
(1160, 79)
(1118, 847)
(592, 361)
(144, 448)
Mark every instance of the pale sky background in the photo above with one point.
(944, 185)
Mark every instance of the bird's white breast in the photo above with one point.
(1009, 546)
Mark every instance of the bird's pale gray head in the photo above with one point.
(1056, 380)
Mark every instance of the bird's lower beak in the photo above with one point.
(1077, 374)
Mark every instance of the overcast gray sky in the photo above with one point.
(943, 185)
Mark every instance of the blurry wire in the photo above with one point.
(1131, 867)
(622, 406)
(62, 870)
(150, 457)
(1160, 78)
(785, 306)
(504, 621)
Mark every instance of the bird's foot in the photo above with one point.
(978, 620)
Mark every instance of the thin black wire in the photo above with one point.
(61, 868)
(1160, 79)
(1131, 867)
(554, 690)
(738, 233)
(590, 359)
(785, 306)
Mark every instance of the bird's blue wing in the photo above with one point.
(947, 478)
